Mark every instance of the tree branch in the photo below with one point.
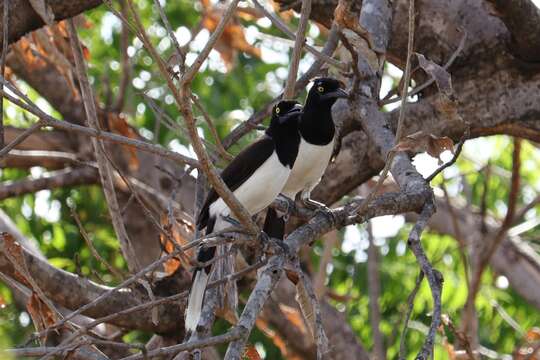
(297, 51)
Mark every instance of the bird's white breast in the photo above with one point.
(308, 168)
(258, 191)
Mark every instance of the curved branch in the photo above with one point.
(72, 292)
(62, 178)
(522, 18)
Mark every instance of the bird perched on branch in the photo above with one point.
(318, 133)
(255, 176)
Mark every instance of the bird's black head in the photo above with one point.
(285, 115)
(284, 130)
(325, 91)
(284, 107)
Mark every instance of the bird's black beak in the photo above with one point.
(336, 94)
(291, 114)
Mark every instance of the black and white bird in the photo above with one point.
(255, 176)
(318, 135)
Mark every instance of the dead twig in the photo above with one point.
(5, 20)
(105, 171)
(224, 154)
(419, 88)
(374, 293)
(459, 148)
(434, 277)
(321, 55)
(117, 273)
(47, 120)
(410, 306)
(288, 93)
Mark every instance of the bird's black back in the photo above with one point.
(282, 136)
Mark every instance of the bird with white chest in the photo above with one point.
(317, 143)
(317, 139)
(255, 176)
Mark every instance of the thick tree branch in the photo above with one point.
(522, 18)
(24, 19)
(72, 292)
(57, 179)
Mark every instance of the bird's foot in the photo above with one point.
(318, 207)
(270, 244)
(289, 206)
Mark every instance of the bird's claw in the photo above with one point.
(289, 206)
(231, 221)
(320, 208)
(270, 244)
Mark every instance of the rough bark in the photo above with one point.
(72, 291)
(24, 19)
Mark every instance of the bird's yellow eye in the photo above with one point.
(320, 89)
(277, 110)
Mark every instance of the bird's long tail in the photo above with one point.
(274, 225)
(198, 287)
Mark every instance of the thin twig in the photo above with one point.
(410, 306)
(93, 250)
(224, 154)
(3, 67)
(105, 171)
(434, 277)
(235, 333)
(419, 88)
(288, 93)
(126, 65)
(194, 68)
(485, 255)
(374, 287)
(178, 49)
(47, 120)
(459, 148)
(290, 34)
(22, 136)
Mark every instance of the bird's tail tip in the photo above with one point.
(196, 296)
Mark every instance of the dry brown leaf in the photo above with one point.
(449, 349)
(44, 10)
(179, 230)
(292, 276)
(26, 53)
(118, 124)
(251, 353)
(440, 75)
(422, 142)
(276, 339)
(294, 317)
(15, 252)
(41, 315)
(533, 334)
(233, 38)
(48, 49)
(346, 15)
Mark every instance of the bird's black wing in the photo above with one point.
(238, 171)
